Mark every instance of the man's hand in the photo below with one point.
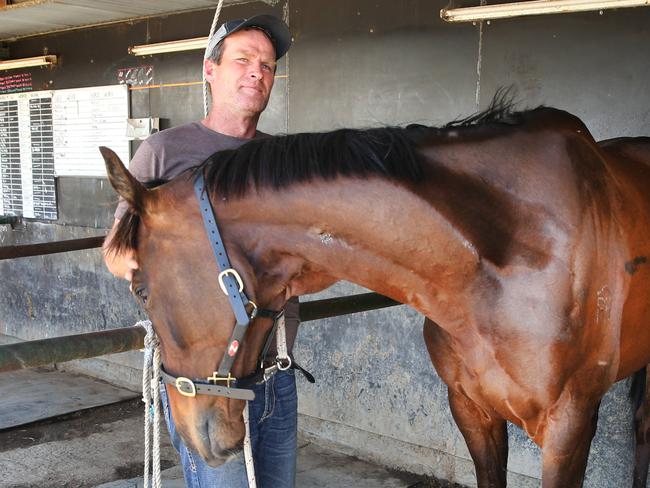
(121, 265)
(131, 265)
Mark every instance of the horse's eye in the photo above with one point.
(141, 293)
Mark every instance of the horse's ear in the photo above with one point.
(123, 182)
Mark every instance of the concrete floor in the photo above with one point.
(100, 447)
(317, 468)
(30, 395)
(103, 445)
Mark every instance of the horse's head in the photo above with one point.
(177, 285)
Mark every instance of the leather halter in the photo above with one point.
(232, 285)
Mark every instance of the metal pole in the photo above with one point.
(42, 352)
(8, 219)
(334, 307)
(31, 354)
(11, 252)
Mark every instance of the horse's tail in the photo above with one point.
(638, 387)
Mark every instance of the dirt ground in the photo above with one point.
(87, 448)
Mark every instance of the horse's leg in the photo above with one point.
(641, 394)
(486, 435)
(484, 431)
(567, 439)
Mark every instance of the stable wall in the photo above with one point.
(353, 63)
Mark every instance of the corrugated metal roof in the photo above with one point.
(34, 17)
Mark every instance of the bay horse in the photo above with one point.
(522, 241)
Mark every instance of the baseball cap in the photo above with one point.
(275, 29)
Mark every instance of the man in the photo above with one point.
(239, 67)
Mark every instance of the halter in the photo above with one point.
(233, 286)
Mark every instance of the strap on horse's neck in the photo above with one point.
(232, 285)
(229, 279)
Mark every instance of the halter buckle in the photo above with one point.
(234, 274)
(185, 386)
(214, 378)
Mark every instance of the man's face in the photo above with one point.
(242, 82)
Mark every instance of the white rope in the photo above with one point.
(151, 399)
(281, 342)
(479, 60)
(248, 452)
(205, 83)
(283, 356)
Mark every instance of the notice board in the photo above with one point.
(45, 134)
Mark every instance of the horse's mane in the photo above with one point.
(277, 162)
(501, 110)
(388, 152)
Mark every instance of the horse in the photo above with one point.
(522, 241)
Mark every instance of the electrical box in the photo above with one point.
(137, 129)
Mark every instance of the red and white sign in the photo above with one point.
(232, 350)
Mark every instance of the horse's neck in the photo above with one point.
(375, 233)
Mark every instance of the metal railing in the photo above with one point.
(42, 352)
(26, 250)
(9, 220)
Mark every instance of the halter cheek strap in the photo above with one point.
(229, 280)
(233, 286)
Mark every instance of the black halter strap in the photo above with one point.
(232, 285)
(229, 280)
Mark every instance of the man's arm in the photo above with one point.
(121, 265)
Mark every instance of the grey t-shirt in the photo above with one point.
(166, 154)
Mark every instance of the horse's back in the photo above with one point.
(634, 149)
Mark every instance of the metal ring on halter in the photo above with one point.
(279, 362)
(233, 273)
(253, 313)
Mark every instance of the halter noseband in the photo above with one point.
(233, 286)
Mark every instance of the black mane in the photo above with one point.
(500, 111)
(389, 152)
(277, 162)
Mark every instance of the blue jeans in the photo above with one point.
(273, 426)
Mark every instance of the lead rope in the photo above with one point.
(151, 399)
(248, 451)
(281, 345)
